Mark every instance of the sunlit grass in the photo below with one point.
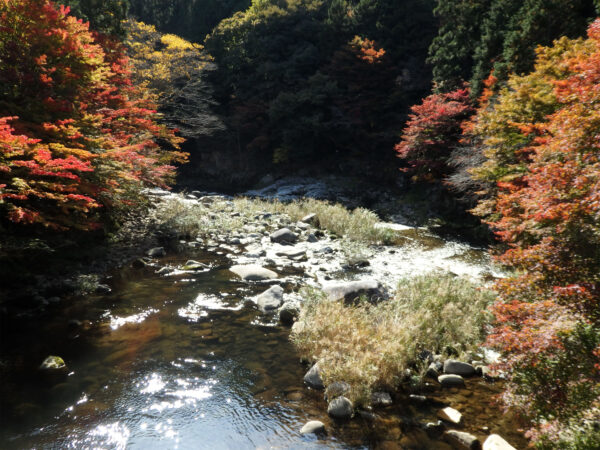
(371, 347)
(197, 219)
(356, 225)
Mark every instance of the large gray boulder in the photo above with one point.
(340, 408)
(270, 300)
(454, 367)
(284, 236)
(352, 290)
(313, 378)
(253, 272)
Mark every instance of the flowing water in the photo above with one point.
(186, 361)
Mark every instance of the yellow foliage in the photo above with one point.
(162, 61)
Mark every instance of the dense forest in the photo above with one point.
(494, 103)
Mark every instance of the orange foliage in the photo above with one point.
(75, 134)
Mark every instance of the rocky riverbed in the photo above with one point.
(194, 334)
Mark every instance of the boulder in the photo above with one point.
(255, 251)
(336, 389)
(156, 252)
(454, 367)
(450, 381)
(194, 265)
(352, 290)
(53, 369)
(392, 226)
(380, 399)
(434, 369)
(253, 272)
(312, 238)
(284, 236)
(292, 253)
(434, 429)
(313, 378)
(495, 442)
(462, 440)
(103, 289)
(311, 219)
(289, 312)
(164, 270)
(298, 328)
(271, 299)
(450, 415)
(340, 408)
(313, 427)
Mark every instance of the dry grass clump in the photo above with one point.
(190, 218)
(356, 225)
(372, 346)
(198, 219)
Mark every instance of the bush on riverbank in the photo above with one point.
(371, 347)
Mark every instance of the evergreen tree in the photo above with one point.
(106, 16)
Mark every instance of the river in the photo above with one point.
(186, 361)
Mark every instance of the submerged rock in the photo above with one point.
(253, 272)
(449, 381)
(340, 408)
(454, 367)
(284, 236)
(271, 299)
(313, 427)
(496, 442)
(313, 378)
(462, 440)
